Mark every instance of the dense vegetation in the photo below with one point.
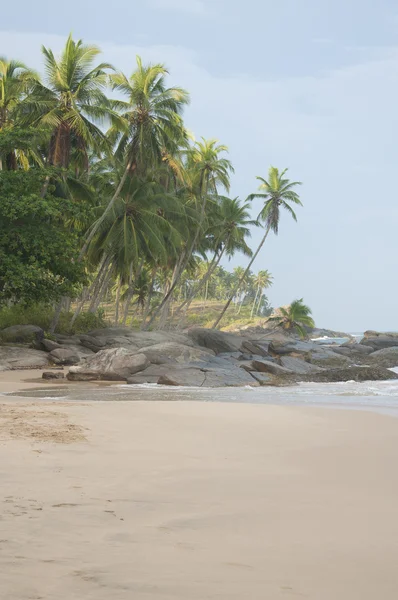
(109, 207)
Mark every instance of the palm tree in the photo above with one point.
(229, 228)
(15, 81)
(72, 103)
(152, 129)
(207, 170)
(277, 192)
(262, 280)
(296, 316)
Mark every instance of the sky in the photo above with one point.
(308, 85)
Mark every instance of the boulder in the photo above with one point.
(256, 348)
(378, 341)
(297, 365)
(113, 364)
(264, 366)
(387, 357)
(293, 347)
(353, 373)
(50, 345)
(22, 334)
(53, 375)
(174, 352)
(328, 359)
(263, 378)
(64, 356)
(353, 350)
(195, 377)
(218, 341)
(22, 358)
(93, 343)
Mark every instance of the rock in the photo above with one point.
(93, 343)
(64, 356)
(297, 365)
(257, 348)
(293, 347)
(387, 357)
(195, 377)
(263, 378)
(353, 373)
(22, 358)
(52, 375)
(328, 359)
(378, 341)
(218, 341)
(173, 352)
(22, 334)
(353, 350)
(269, 367)
(315, 332)
(113, 364)
(50, 345)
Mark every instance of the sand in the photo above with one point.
(189, 500)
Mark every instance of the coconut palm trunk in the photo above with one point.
(204, 281)
(235, 290)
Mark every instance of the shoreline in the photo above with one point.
(187, 500)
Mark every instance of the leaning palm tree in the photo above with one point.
(73, 103)
(16, 79)
(229, 227)
(152, 129)
(277, 192)
(207, 170)
(262, 280)
(297, 316)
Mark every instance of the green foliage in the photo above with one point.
(38, 253)
(42, 315)
(295, 317)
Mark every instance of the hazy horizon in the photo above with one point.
(311, 88)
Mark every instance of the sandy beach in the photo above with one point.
(191, 500)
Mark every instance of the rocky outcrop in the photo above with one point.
(21, 334)
(327, 359)
(387, 357)
(353, 373)
(64, 356)
(22, 358)
(218, 341)
(378, 341)
(113, 364)
(53, 375)
(174, 352)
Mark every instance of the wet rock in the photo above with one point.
(190, 376)
(353, 373)
(53, 375)
(387, 357)
(379, 341)
(328, 359)
(111, 364)
(263, 378)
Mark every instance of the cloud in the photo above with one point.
(196, 7)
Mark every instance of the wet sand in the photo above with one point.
(191, 500)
